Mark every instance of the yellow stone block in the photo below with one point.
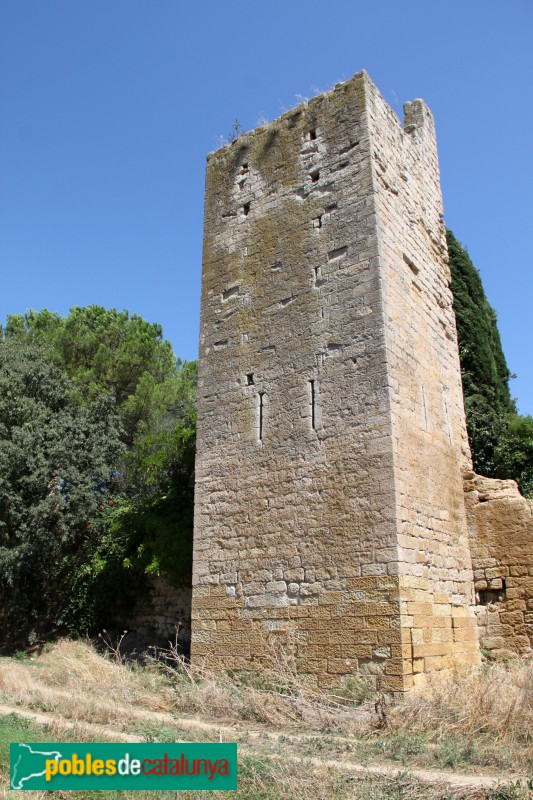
(390, 635)
(401, 650)
(442, 635)
(414, 582)
(342, 666)
(464, 622)
(394, 683)
(466, 644)
(409, 595)
(398, 666)
(430, 622)
(420, 609)
(432, 649)
(459, 611)
(417, 635)
(434, 663)
(407, 621)
(462, 634)
(378, 622)
(372, 582)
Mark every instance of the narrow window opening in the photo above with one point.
(312, 134)
(447, 420)
(424, 409)
(250, 378)
(319, 280)
(241, 184)
(261, 404)
(246, 209)
(244, 168)
(317, 222)
(313, 405)
(315, 175)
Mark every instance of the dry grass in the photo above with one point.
(72, 679)
(483, 717)
(264, 777)
(277, 697)
(267, 780)
(103, 685)
(487, 711)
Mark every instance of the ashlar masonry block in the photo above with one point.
(329, 510)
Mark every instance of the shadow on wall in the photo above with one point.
(160, 618)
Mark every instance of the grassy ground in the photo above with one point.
(481, 721)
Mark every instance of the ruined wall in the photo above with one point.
(163, 616)
(310, 525)
(500, 524)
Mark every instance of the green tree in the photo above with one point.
(500, 439)
(163, 451)
(145, 527)
(514, 452)
(57, 469)
(154, 512)
(484, 369)
(101, 350)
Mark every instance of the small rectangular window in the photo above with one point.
(487, 596)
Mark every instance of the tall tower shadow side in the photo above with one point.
(329, 508)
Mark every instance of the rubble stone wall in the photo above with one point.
(501, 541)
(163, 616)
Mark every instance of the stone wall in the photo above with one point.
(328, 504)
(501, 540)
(429, 439)
(162, 616)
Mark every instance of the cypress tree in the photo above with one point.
(483, 366)
(501, 440)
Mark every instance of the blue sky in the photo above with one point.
(107, 111)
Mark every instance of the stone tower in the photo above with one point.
(331, 432)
